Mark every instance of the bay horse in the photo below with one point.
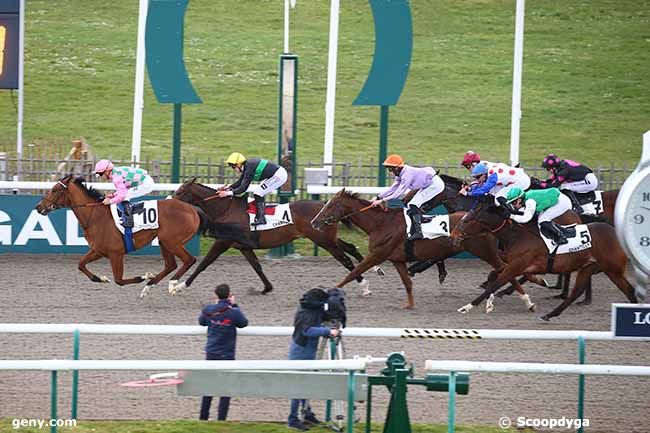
(526, 252)
(178, 223)
(386, 230)
(221, 210)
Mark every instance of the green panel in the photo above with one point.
(164, 52)
(392, 58)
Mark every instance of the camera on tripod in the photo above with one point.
(335, 311)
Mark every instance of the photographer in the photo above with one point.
(304, 344)
(222, 319)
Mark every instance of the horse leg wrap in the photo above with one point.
(529, 304)
(489, 304)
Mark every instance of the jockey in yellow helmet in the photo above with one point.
(271, 175)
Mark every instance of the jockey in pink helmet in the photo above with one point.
(130, 183)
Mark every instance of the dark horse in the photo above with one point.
(386, 229)
(233, 211)
(526, 252)
(178, 223)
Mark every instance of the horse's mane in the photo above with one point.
(90, 191)
(451, 180)
(355, 195)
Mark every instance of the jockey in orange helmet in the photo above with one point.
(424, 179)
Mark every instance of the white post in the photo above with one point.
(645, 152)
(330, 102)
(21, 81)
(286, 26)
(516, 82)
(138, 93)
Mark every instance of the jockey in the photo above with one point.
(570, 176)
(130, 183)
(550, 203)
(471, 159)
(272, 176)
(409, 178)
(496, 181)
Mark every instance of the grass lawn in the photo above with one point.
(226, 427)
(585, 88)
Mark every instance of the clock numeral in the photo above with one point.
(638, 219)
(645, 241)
(646, 196)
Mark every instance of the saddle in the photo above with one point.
(585, 197)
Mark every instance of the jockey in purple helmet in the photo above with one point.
(569, 176)
(130, 183)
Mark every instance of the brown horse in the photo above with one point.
(233, 211)
(178, 223)
(386, 229)
(526, 252)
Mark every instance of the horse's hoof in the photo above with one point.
(172, 287)
(545, 283)
(267, 290)
(104, 279)
(379, 271)
(465, 309)
(408, 306)
(145, 291)
(147, 276)
(178, 287)
(532, 307)
(545, 318)
(442, 278)
(365, 287)
(560, 296)
(584, 302)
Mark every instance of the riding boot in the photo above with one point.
(574, 200)
(127, 214)
(416, 223)
(554, 232)
(260, 219)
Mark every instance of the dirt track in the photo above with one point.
(49, 289)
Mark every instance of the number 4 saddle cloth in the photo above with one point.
(277, 215)
(145, 216)
(578, 236)
(433, 226)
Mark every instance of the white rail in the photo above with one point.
(284, 331)
(281, 365)
(318, 189)
(95, 185)
(526, 367)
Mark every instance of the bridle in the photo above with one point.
(506, 221)
(197, 199)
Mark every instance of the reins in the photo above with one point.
(332, 220)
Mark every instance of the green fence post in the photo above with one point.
(368, 407)
(581, 382)
(176, 143)
(451, 418)
(351, 386)
(53, 401)
(383, 145)
(75, 374)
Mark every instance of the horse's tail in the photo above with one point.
(204, 222)
(232, 232)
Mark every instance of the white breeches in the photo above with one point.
(426, 194)
(590, 183)
(272, 183)
(522, 181)
(143, 189)
(563, 205)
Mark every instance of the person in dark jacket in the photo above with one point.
(304, 344)
(222, 320)
(272, 176)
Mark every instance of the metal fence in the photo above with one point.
(344, 173)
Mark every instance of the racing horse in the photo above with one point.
(178, 223)
(526, 252)
(386, 230)
(221, 210)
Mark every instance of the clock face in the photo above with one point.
(636, 221)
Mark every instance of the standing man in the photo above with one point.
(222, 320)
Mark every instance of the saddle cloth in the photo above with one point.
(578, 236)
(277, 215)
(433, 226)
(145, 216)
(592, 202)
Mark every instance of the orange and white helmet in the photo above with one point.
(102, 166)
(394, 160)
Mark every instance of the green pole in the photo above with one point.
(581, 382)
(451, 418)
(53, 401)
(75, 374)
(351, 386)
(176, 144)
(383, 144)
(369, 408)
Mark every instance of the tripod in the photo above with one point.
(332, 348)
